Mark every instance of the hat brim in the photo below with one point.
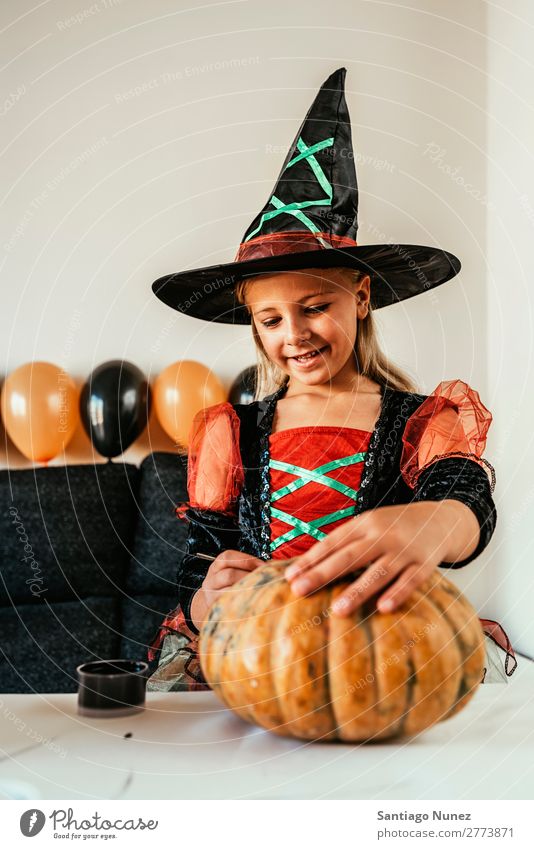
(397, 272)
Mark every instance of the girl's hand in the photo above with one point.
(226, 570)
(405, 541)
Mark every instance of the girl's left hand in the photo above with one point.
(405, 541)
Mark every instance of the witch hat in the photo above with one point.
(310, 221)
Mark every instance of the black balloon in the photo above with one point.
(243, 387)
(114, 406)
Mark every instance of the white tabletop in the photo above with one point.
(186, 745)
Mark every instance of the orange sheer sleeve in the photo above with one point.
(451, 422)
(215, 473)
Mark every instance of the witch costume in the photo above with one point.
(273, 495)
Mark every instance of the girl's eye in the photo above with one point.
(318, 308)
(315, 309)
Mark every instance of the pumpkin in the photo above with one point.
(293, 667)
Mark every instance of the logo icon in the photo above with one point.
(31, 822)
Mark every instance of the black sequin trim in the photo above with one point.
(373, 456)
(463, 454)
(266, 425)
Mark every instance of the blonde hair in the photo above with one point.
(370, 360)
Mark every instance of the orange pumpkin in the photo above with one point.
(289, 665)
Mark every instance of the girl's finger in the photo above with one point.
(335, 541)
(373, 579)
(335, 566)
(352, 556)
(230, 559)
(403, 587)
(227, 577)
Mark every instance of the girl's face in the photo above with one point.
(314, 310)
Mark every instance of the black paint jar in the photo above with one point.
(109, 688)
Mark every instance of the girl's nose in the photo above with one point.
(297, 332)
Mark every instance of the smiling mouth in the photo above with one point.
(309, 356)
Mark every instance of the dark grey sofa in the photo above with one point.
(88, 557)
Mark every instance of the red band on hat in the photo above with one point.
(289, 242)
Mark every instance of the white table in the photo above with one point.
(186, 745)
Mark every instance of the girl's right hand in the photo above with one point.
(227, 568)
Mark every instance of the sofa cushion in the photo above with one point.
(66, 531)
(141, 617)
(107, 530)
(42, 644)
(160, 538)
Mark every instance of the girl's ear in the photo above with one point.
(363, 295)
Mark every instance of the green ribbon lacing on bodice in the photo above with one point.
(304, 476)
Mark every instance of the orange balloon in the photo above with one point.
(180, 391)
(40, 409)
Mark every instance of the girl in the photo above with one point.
(338, 463)
(306, 325)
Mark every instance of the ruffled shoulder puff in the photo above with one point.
(215, 474)
(451, 422)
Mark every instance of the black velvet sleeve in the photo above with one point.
(466, 481)
(210, 532)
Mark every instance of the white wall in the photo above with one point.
(138, 141)
(509, 275)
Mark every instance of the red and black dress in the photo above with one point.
(314, 478)
(314, 475)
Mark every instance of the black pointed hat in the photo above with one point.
(310, 221)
